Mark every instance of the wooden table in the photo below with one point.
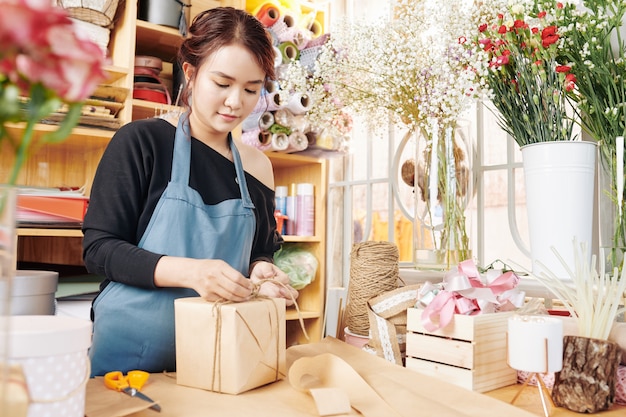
(407, 392)
(530, 400)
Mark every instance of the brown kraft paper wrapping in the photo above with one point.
(229, 347)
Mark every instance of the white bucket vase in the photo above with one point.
(560, 181)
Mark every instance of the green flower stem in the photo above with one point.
(22, 151)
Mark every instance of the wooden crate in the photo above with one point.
(470, 351)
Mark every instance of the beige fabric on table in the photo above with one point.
(407, 392)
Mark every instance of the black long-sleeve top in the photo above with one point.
(133, 173)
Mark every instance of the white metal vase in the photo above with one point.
(560, 184)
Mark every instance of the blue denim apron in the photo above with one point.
(134, 327)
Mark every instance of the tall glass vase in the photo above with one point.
(8, 203)
(611, 215)
(443, 189)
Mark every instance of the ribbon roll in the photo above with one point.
(300, 123)
(275, 101)
(278, 56)
(297, 142)
(266, 120)
(319, 41)
(289, 19)
(283, 117)
(301, 37)
(268, 14)
(271, 86)
(268, 102)
(279, 142)
(261, 121)
(317, 29)
(289, 52)
(299, 103)
(257, 139)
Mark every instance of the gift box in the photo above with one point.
(229, 347)
(470, 351)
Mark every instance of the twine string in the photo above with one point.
(374, 270)
(217, 342)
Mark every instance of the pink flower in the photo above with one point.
(38, 44)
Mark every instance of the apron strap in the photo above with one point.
(241, 177)
(181, 160)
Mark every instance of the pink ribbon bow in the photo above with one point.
(464, 292)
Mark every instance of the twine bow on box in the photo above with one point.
(466, 291)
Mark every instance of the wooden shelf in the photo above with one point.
(292, 314)
(115, 73)
(296, 239)
(80, 137)
(49, 232)
(143, 109)
(157, 40)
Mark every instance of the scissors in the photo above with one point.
(130, 384)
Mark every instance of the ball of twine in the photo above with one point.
(374, 270)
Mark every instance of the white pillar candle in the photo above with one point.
(535, 343)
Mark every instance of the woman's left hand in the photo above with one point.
(262, 271)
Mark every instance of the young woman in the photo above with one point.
(177, 209)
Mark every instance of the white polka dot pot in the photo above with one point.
(52, 352)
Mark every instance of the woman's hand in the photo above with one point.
(212, 279)
(268, 271)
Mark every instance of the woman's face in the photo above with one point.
(224, 91)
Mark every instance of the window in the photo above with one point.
(362, 203)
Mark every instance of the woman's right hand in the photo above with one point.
(212, 279)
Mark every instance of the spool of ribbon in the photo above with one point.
(271, 86)
(261, 121)
(268, 102)
(300, 123)
(387, 319)
(319, 41)
(300, 37)
(279, 142)
(266, 120)
(278, 56)
(257, 138)
(297, 142)
(289, 52)
(316, 28)
(283, 117)
(299, 103)
(268, 14)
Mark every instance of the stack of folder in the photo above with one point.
(51, 207)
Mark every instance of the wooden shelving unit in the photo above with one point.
(74, 162)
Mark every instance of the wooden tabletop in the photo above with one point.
(530, 400)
